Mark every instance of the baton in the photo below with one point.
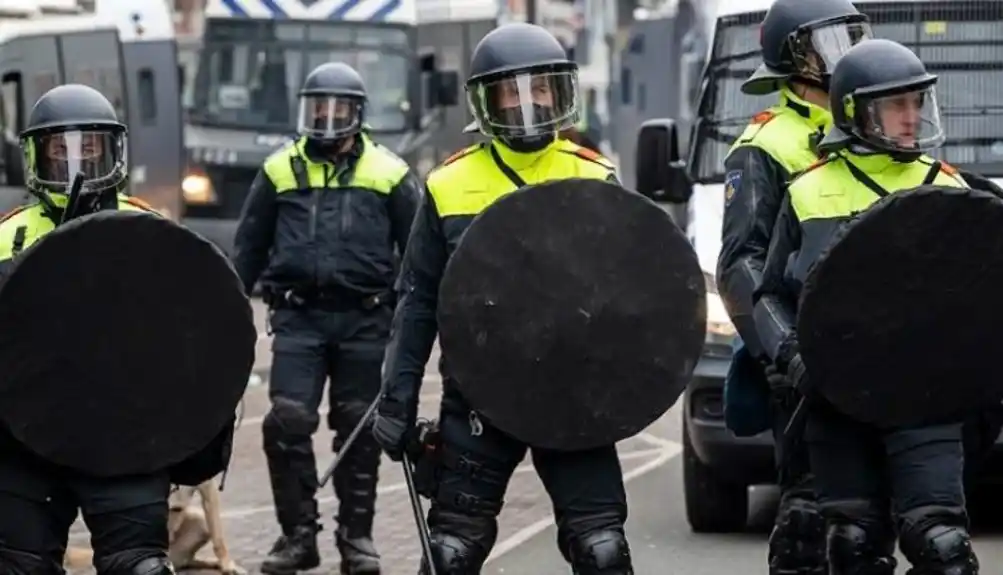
(419, 517)
(348, 443)
(74, 200)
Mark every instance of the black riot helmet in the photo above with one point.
(73, 129)
(803, 40)
(332, 104)
(883, 100)
(522, 88)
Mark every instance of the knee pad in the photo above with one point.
(153, 566)
(134, 562)
(23, 563)
(453, 555)
(797, 543)
(603, 552)
(288, 418)
(853, 549)
(940, 547)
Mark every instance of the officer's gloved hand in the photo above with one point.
(793, 366)
(776, 378)
(392, 428)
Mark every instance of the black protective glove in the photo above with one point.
(797, 375)
(392, 430)
(776, 378)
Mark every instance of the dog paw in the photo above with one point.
(231, 568)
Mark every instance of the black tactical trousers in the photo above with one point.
(797, 543)
(476, 463)
(311, 346)
(127, 517)
(873, 484)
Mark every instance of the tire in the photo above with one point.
(712, 505)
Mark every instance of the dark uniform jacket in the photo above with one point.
(818, 202)
(314, 226)
(777, 144)
(456, 192)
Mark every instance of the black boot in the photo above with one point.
(355, 486)
(298, 554)
(358, 555)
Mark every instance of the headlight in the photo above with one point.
(718, 322)
(197, 189)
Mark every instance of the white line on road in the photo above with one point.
(395, 487)
(668, 449)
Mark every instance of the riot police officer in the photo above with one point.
(319, 227)
(801, 41)
(522, 90)
(73, 130)
(885, 117)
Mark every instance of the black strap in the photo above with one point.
(299, 172)
(19, 237)
(505, 169)
(935, 168)
(865, 179)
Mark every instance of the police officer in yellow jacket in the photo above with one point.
(319, 228)
(885, 115)
(72, 130)
(522, 91)
(801, 42)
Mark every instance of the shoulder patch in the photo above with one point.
(763, 117)
(948, 169)
(139, 203)
(818, 163)
(731, 182)
(589, 155)
(462, 153)
(14, 212)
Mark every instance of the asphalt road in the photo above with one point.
(661, 540)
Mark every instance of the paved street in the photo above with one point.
(660, 537)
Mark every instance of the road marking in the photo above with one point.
(668, 450)
(241, 512)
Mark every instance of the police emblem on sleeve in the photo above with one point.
(731, 182)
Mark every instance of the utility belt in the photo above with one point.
(326, 299)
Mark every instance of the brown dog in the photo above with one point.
(190, 528)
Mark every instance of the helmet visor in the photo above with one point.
(330, 117)
(55, 158)
(816, 51)
(903, 121)
(525, 105)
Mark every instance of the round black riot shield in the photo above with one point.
(571, 314)
(127, 344)
(899, 319)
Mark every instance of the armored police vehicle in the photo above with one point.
(958, 41)
(252, 60)
(124, 49)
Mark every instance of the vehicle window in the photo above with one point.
(147, 97)
(13, 116)
(252, 84)
(958, 41)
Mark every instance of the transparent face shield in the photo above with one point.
(330, 117)
(816, 51)
(525, 105)
(901, 122)
(54, 159)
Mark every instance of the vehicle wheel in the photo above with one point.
(712, 505)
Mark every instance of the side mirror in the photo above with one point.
(661, 171)
(443, 88)
(427, 62)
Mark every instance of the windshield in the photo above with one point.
(250, 72)
(961, 43)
